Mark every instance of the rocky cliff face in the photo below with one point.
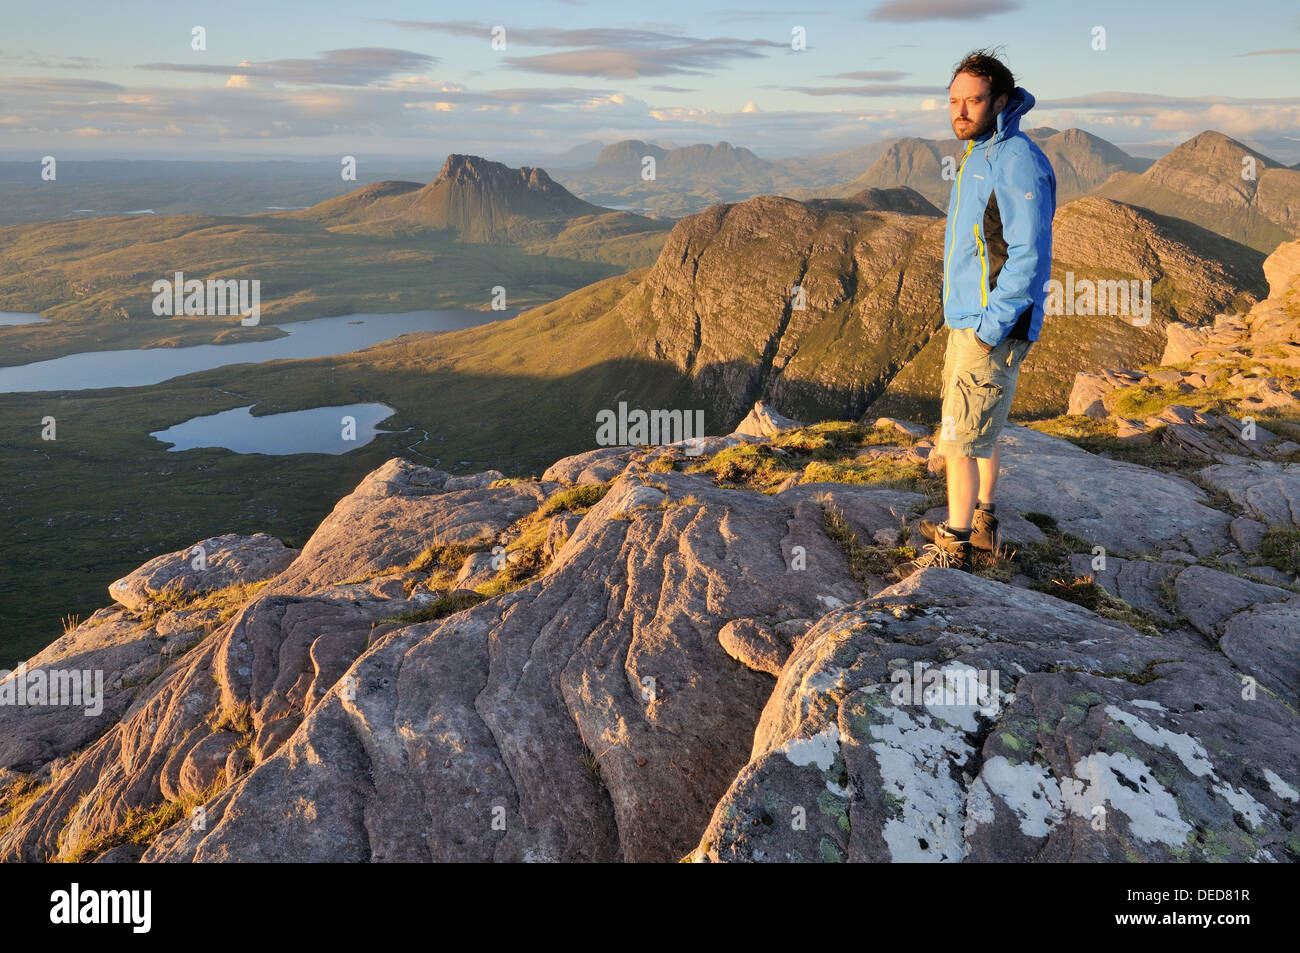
(700, 652)
(721, 303)
(740, 292)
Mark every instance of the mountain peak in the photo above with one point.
(1212, 143)
(479, 199)
(468, 168)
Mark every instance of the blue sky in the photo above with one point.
(392, 78)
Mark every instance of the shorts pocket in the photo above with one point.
(984, 398)
(969, 405)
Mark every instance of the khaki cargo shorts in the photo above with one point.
(978, 388)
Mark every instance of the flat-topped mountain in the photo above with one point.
(688, 179)
(685, 178)
(1221, 184)
(702, 160)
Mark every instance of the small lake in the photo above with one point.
(21, 317)
(318, 430)
(319, 337)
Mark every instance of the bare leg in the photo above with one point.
(963, 484)
(988, 470)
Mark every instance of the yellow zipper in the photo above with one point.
(956, 210)
(984, 267)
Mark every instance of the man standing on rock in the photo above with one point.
(997, 261)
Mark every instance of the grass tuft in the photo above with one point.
(1280, 548)
(446, 605)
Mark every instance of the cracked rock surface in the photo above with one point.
(947, 719)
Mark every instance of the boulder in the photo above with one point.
(903, 426)
(1182, 341)
(763, 421)
(1166, 376)
(1177, 414)
(755, 645)
(594, 466)
(206, 762)
(1247, 533)
(1087, 395)
(394, 514)
(1268, 394)
(1282, 270)
(208, 565)
(1207, 598)
(1269, 491)
(477, 569)
(1136, 431)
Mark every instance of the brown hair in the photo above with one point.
(985, 64)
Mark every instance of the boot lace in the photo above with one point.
(935, 554)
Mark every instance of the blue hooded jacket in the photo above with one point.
(997, 251)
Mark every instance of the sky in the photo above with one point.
(390, 78)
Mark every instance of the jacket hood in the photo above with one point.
(1008, 122)
(1018, 103)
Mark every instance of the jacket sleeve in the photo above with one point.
(1026, 194)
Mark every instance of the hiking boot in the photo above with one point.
(946, 551)
(983, 531)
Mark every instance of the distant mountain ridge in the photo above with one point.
(899, 199)
(481, 200)
(688, 179)
(626, 158)
(1208, 180)
(1081, 160)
